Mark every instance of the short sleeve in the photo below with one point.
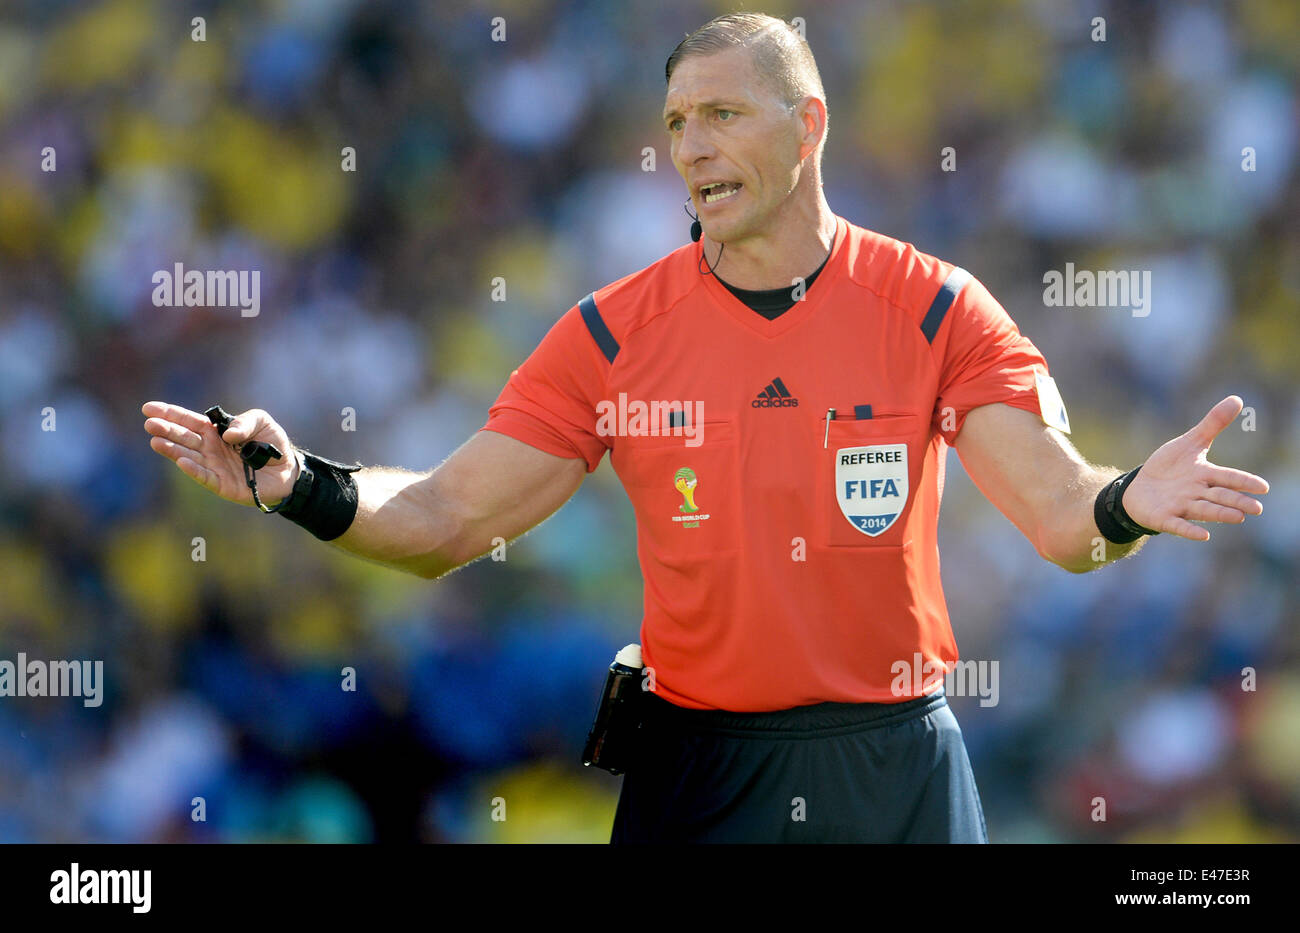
(983, 359)
(549, 402)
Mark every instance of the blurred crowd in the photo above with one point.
(522, 161)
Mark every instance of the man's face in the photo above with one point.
(728, 125)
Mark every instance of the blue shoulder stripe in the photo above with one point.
(943, 301)
(596, 324)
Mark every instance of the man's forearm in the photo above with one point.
(1069, 537)
(403, 522)
(1036, 478)
(492, 489)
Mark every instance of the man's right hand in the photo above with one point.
(190, 440)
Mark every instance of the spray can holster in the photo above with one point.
(611, 743)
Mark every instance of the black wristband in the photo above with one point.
(324, 497)
(1114, 523)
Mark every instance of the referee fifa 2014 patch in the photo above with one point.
(871, 485)
(1050, 404)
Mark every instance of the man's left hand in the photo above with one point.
(1177, 485)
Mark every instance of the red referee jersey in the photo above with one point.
(788, 558)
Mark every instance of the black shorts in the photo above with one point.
(830, 772)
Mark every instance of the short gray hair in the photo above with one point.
(781, 54)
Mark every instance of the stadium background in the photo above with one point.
(523, 160)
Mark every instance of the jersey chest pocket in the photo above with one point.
(866, 477)
(686, 498)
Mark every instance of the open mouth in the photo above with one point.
(719, 191)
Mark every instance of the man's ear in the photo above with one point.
(812, 117)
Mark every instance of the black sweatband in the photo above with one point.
(324, 497)
(1114, 523)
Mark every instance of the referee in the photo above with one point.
(777, 398)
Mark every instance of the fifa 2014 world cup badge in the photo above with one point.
(871, 485)
(685, 482)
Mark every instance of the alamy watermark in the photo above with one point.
(1109, 288)
(216, 288)
(919, 676)
(77, 885)
(639, 418)
(32, 678)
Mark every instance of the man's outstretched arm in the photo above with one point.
(430, 523)
(1037, 479)
(425, 523)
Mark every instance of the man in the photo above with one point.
(783, 449)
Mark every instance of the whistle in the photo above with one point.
(255, 454)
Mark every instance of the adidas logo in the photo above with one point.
(776, 395)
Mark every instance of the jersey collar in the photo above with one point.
(817, 292)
